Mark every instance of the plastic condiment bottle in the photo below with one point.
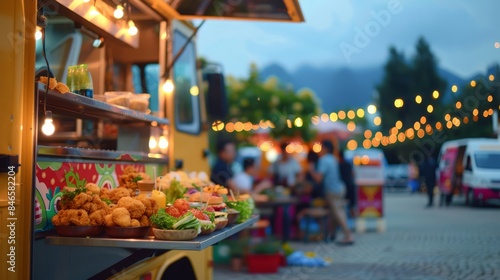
(85, 81)
(145, 188)
(160, 198)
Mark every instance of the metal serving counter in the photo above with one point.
(198, 244)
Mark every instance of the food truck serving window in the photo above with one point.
(187, 103)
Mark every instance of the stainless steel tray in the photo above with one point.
(198, 244)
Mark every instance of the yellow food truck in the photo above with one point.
(85, 124)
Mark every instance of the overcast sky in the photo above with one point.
(461, 33)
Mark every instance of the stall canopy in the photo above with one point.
(268, 10)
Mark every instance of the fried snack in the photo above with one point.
(108, 221)
(97, 218)
(134, 206)
(116, 194)
(130, 177)
(61, 87)
(61, 219)
(135, 223)
(78, 217)
(78, 201)
(144, 221)
(121, 217)
(93, 188)
(104, 193)
(52, 84)
(151, 206)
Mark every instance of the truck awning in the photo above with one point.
(266, 10)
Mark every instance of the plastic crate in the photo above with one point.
(263, 263)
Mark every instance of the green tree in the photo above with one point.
(425, 80)
(251, 100)
(396, 84)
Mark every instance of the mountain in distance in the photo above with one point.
(343, 87)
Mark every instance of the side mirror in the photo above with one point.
(216, 98)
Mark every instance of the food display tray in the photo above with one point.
(197, 244)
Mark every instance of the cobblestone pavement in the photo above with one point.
(429, 244)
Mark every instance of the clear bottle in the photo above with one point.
(86, 87)
(70, 79)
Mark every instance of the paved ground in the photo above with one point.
(432, 244)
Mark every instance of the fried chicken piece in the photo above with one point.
(78, 217)
(78, 201)
(151, 206)
(134, 206)
(93, 188)
(61, 219)
(121, 217)
(135, 223)
(116, 194)
(52, 84)
(108, 221)
(144, 221)
(62, 87)
(104, 193)
(97, 218)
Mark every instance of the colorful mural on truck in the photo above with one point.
(52, 177)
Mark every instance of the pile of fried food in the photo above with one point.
(92, 206)
(54, 84)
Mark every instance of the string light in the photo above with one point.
(38, 33)
(418, 99)
(351, 115)
(163, 142)
(435, 94)
(298, 122)
(472, 83)
(118, 13)
(132, 29)
(398, 103)
(372, 109)
(168, 86)
(152, 142)
(334, 117)
(454, 88)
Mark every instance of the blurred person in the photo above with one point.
(245, 181)
(328, 173)
(222, 173)
(317, 188)
(347, 174)
(286, 171)
(413, 180)
(429, 173)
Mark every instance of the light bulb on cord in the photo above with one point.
(38, 33)
(48, 126)
(168, 86)
(163, 142)
(132, 29)
(118, 13)
(152, 142)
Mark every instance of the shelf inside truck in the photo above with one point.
(78, 106)
(198, 244)
(81, 153)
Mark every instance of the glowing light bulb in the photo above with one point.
(152, 142)
(168, 86)
(163, 143)
(118, 13)
(194, 90)
(48, 127)
(38, 33)
(132, 29)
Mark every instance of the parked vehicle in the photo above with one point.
(396, 176)
(470, 167)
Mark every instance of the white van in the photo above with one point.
(481, 175)
(472, 167)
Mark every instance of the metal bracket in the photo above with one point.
(9, 163)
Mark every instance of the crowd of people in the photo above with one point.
(323, 176)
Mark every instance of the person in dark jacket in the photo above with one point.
(347, 175)
(429, 174)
